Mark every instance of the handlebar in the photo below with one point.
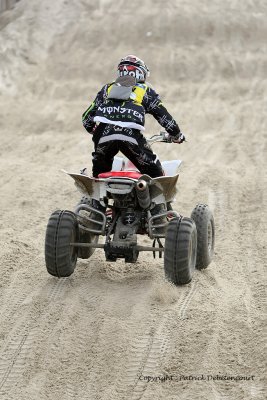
(161, 137)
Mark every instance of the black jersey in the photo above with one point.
(129, 113)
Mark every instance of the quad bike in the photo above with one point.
(122, 204)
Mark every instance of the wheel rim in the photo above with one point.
(210, 237)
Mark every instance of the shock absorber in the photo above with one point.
(143, 195)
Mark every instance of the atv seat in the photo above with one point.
(120, 174)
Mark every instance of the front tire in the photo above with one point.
(205, 235)
(60, 255)
(180, 250)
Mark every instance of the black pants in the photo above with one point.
(110, 139)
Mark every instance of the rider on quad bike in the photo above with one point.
(116, 119)
(121, 204)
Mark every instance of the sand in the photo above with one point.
(111, 329)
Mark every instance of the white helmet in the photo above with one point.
(133, 66)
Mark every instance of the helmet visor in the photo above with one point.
(131, 70)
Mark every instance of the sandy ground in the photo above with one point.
(100, 333)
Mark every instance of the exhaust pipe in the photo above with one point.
(143, 195)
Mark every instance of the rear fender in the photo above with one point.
(89, 186)
(163, 188)
(97, 188)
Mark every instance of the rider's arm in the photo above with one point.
(88, 115)
(154, 106)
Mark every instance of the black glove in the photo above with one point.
(180, 138)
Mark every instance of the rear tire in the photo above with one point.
(180, 250)
(60, 256)
(205, 235)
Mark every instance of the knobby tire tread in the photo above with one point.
(202, 215)
(176, 258)
(57, 253)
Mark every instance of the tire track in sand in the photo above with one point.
(13, 359)
(148, 351)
